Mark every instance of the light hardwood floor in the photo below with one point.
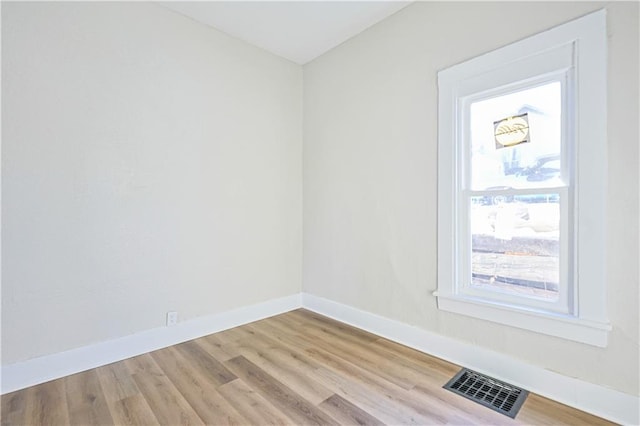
(296, 368)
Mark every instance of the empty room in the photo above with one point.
(310, 212)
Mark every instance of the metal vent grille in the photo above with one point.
(499, 396)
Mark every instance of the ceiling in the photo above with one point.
(296, 30)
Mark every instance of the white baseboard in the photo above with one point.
(39, 370)
(607, 403)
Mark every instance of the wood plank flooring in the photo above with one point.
(297, 368)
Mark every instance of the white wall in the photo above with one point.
(149, 164)
(369, 171)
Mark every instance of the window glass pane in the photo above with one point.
(516, 139)
(515, 244)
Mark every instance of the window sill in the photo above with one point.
(568, 327)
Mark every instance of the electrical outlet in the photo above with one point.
(172, 318)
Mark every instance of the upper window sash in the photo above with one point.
(564, 76)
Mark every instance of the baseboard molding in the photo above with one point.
(39, 370)
(600, 401)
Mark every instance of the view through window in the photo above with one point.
(515, 162)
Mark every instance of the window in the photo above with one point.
(521, 184)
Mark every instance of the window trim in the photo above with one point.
(587, 322)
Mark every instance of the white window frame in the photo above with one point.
(574, 53)
(554, 65)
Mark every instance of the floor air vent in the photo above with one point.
(499, 396)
